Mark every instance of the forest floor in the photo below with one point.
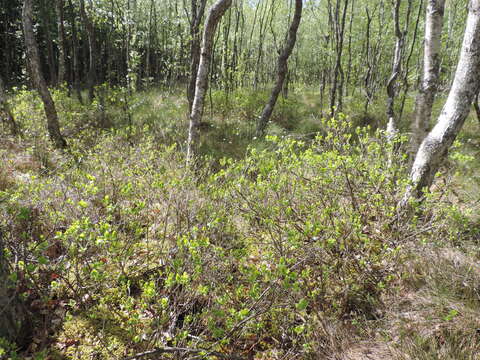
(128, 250)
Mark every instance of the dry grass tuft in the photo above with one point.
(439, 314)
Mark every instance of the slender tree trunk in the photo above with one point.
(224, 67)
(61, 41)
(235, 50)
(37, 76)
(5, 108)
(368, 59)
(406, 72)
(48, 38)
(282, 69)
(466, 85)
(149, 43)
(476, 106)
(431, 69)
(337, 86)
(349, 66)
(92, 60)
(197, 13)
(392, 126)
(214, 16)
(261, 34)
(75, 53)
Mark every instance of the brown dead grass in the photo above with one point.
(369, 351)
(435, 315)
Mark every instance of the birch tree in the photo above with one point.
(392, 126)
(466, 85)
(62, 67)
(282, 68)
(92, 60)
(215, 14)
(431, 68)
(197, 11)
(75, 75)
(338, 29)
(33, 56)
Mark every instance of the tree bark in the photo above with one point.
(406, 71)
(92, 60)
(349, 64)
(5, 108)
(262, 23)
(431, 69)
(476, 106)
(33, 56)
(215, 14)
(282, 68)
(75, 53)
(368, 59)
(45, 21)
(338, 76)
(61, 41)
(392, 126)
(149, 42)
(466, 85)
(198, 11)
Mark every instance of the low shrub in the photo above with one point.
(269, 255)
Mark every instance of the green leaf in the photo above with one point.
(302, 304)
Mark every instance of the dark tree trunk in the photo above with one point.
(149, 43)
(282, 69)
(349, 66)
(75, 53)
(33, 56)
(62, 68)
(369, 66)
(338, 76)
(92, 60)
(476, 106)
(48, 38)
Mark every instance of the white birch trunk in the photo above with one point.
(214, 16)
(457, 107)
(431, 68)
(392, 126)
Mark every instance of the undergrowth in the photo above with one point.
(289, 248)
